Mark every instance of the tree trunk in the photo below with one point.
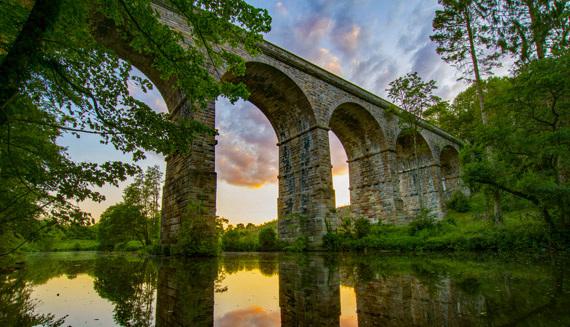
(497, 213)
(537, 34)
(16, 66)
(475, 63)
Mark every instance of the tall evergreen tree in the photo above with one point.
(531, 29)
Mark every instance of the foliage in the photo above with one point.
(462, 35)
(268, 239)
(413, 95)
(247, 237)
(144, 193)
(522, 231)
(530, 134)
(458, 202)
(120, 223)
(531, 29)
(362, 227)
(58, 76)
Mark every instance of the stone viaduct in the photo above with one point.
(303, 104)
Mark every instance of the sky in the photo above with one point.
(367, 42)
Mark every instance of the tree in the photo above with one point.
(530, 135)
(57, 76)
(463, 39)
(531, 29)
(267, 239)
(144, 193)
(120, 223)
(414, 96)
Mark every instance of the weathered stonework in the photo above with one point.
(303, 103)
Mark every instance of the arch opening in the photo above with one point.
(305, 193)
(246, 163)
(416, 174)
(450, 169)
(364, 143)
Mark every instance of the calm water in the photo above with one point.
(89, 289)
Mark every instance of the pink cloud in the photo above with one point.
(328, 61)
(252, 316)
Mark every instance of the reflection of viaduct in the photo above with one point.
(303, 103)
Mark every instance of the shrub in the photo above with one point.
(458, 202)
(332, 241)
(362, 227)
(422, 221)
(267, 239)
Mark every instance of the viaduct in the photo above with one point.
(303, 103)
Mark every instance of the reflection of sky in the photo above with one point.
(251, 299)
(76, 298)
(368, 42)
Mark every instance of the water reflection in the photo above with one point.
(309, 293)
(285, 289)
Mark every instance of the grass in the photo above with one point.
(521, 230)
(64, 245)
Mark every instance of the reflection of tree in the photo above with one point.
(16, 307)
(130, 285)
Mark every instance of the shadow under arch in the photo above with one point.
(417, 174)
(365, 145)
(450, 170)
(305, 182)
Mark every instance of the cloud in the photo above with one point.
(281, 8)
(347, 38)
(375, 72)
(246, 154)
(328, 61)
(252, 316)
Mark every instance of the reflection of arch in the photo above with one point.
(449, 160)
(278, 97)
(416, 175)
(364, 142)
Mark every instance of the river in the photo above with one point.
(268, 289)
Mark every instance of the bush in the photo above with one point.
(422, 221)
(458, 202)
(267, 239)
(362, 227)
(332, 241)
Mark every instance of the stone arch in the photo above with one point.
(190, 178)
(305, 183)
(417, 176)
(450, 169)
(278, 97)
(364, 142)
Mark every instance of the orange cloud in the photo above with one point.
(328, 61)
(252, 316)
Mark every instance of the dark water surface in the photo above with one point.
(90, 289)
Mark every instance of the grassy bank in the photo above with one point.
(78, 245)
(521, 230)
